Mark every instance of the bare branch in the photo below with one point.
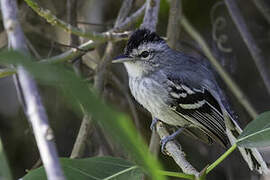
(264, 8)
(53, 20)
(250, 42)
(123, 12)
(224, 75)
(173, 29)
(106, 60)
(86, 129)
(174, 150)
(72, 53)
(29, 94)
(151, 15)
(131, 19)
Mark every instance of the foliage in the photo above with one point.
(76, 90)
(257, 132)
(103, 168)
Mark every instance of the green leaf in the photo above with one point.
(257, 132)
(78, 93)
(4, 168)
(97, 168)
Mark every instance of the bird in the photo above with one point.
(182, 91)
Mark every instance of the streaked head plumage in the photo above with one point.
(142, 37)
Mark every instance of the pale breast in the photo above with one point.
(153, 96)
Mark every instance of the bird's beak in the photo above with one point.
(121, 59)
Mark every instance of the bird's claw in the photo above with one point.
(171, 137)
(153, 124)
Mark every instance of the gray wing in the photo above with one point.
(198, 105)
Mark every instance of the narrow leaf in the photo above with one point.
(97, 168)
(77, 92)
(257, 132)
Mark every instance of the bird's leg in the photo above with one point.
(171, 137)
(153, 124)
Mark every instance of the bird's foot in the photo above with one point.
(171, 137)
(153, 124)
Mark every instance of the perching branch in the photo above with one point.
(30, 96)
(250, 42)
(173, 149)
(224, 75)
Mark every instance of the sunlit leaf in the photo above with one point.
(77, 92)
(101, 168)
(257, 132)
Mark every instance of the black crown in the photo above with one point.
(141, 36)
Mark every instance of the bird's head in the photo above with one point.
(143, 53)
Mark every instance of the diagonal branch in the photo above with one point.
(30, 96)
(250, 42)
(53, 20)
(74, 53)
(174, 150)
(264, 8)
(151, 15)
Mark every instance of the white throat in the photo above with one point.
(134, 70)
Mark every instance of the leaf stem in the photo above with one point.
(221, 158)
(176, 174)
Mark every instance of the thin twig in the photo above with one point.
(73, 53)
(151, 16)
(101, 69)
(53, 20)
(173, 29)
(131, 19)
(224, 75)
(86, 124)
(250, 42)
(264, 8)
(30, 96)
(86, 129)
(106, 60)
(173, 149)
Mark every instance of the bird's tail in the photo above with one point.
(250, 155)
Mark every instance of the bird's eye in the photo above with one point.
(144, 54)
